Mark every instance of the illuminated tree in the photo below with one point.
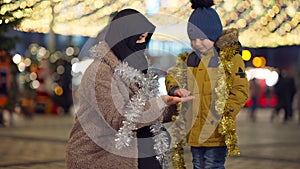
(10, 17)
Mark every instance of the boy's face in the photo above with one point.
(202, 45)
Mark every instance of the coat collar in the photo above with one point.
(103, 52)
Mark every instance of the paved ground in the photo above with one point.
(40, 143)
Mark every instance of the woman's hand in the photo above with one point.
(169, 100)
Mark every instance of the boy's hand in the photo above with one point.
(182, 92)
(169, 100)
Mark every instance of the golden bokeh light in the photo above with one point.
(246, 55)
(58, 90)
(257, 62)
(263, 61)
(264, 19)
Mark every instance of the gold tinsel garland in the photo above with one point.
(227, 125)
(178, 134)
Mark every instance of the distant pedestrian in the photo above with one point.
(298, 105)
(254, 91)
(285, 90)
(5, 77)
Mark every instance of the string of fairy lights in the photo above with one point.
(262, 23)
(270, 23)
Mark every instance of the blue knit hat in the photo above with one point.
(204, 23)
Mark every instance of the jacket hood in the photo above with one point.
(123, 32)
(229, 38)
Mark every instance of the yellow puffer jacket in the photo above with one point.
(201, 117)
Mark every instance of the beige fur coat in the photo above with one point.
(102, 97)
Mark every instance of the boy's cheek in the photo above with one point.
(194, 46)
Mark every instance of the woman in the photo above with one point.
(110, 94)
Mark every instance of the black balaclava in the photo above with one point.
(123, 32)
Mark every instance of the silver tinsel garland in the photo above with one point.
(148, 88)
(161, 143)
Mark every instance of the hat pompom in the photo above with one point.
(202, 3)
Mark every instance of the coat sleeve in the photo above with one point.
(171, 83)
(239, 92)
(112, 96)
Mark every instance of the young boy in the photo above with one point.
(216, 76)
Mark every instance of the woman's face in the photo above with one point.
(142, 38)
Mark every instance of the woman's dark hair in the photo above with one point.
(202, 3)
